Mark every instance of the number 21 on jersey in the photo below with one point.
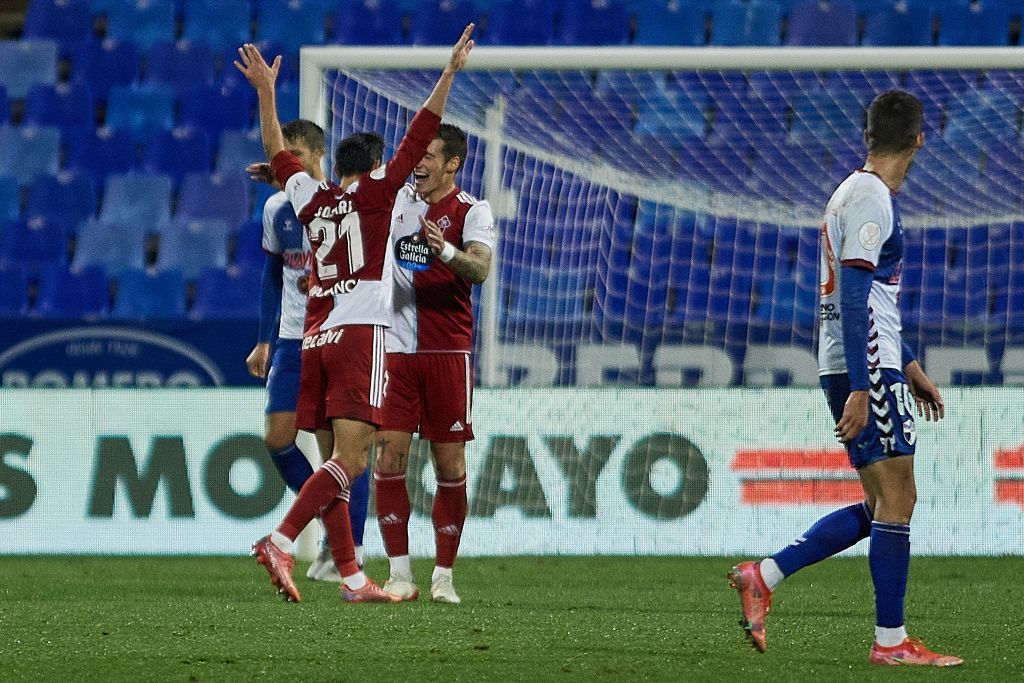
(327, 233)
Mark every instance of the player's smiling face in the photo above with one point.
(431, 177)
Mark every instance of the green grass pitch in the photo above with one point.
(524, 618)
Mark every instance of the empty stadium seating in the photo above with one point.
(176, 110)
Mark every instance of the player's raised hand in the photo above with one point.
(260, 75)
(460, 53)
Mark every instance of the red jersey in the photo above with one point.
(433, 309)
(351, 281)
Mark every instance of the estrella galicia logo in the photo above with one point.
(106, 356)
(413, 253)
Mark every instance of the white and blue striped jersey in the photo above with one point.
(283, 234)
(862, 227)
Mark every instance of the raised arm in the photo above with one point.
(438, 97)
(263, 77)
(424, 124)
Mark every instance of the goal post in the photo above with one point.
(658, 214)
(665, 195)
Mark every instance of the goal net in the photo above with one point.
(658, 214)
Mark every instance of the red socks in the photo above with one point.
(327, 484)
(449, 515)
(393, 511)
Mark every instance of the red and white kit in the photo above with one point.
(431, 336)
(350, 285)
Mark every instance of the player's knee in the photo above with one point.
(450, 463)
(277, 441)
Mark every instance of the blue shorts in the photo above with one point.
(283, 380)
(890, 431)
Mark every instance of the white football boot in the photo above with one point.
(442, 590)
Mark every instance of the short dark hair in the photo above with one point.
(454, 142)
(304, 131)
(356, 154)
(895, 119)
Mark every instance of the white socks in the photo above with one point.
(400, 567)
(770, 573)
(283, 542)
(439, 572)
(355, 581)
(890, 637)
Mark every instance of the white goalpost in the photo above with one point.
(658, 213)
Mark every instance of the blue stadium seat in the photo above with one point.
(68, 198)
(10, 198)
(735, 23)
(145, 23)
(177, 152)
(368, 22)
(863, 85)
(140, 201)
(249, 245)
(65, 21)
(103, 64)
(827, 116)
(141, 110)
(593, 22)
(73, 293)
(440, 22)
(238, 149)
(5, 109)
(24, 63)
(33, 243)
(288, 102)
(29, 151)
(630, 87)
(149, 296)
(832, 23)
(985, 119)
(65, 105)
(724, 166)
(218, 108)
(289, 23)
(671, 23)
(99, 152)
(900, 24)
(986, 22)
(223, 197)
(221, 24)
(672, 115)
(193, 245)
(113, 247)
(13, 290)
(183, 65)
(521, 22)
(231, 294)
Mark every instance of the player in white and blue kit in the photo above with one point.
(862, 361)
(283, 298)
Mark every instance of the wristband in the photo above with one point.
(447, 252)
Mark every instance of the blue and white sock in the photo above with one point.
(359, 497)
(889, 559)
(292, 465)
(831, 534)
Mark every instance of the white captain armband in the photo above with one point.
(447, 252)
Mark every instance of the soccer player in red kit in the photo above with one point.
(443, 239)
(343, 376)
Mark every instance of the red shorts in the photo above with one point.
(430, 393)
(343, 375)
